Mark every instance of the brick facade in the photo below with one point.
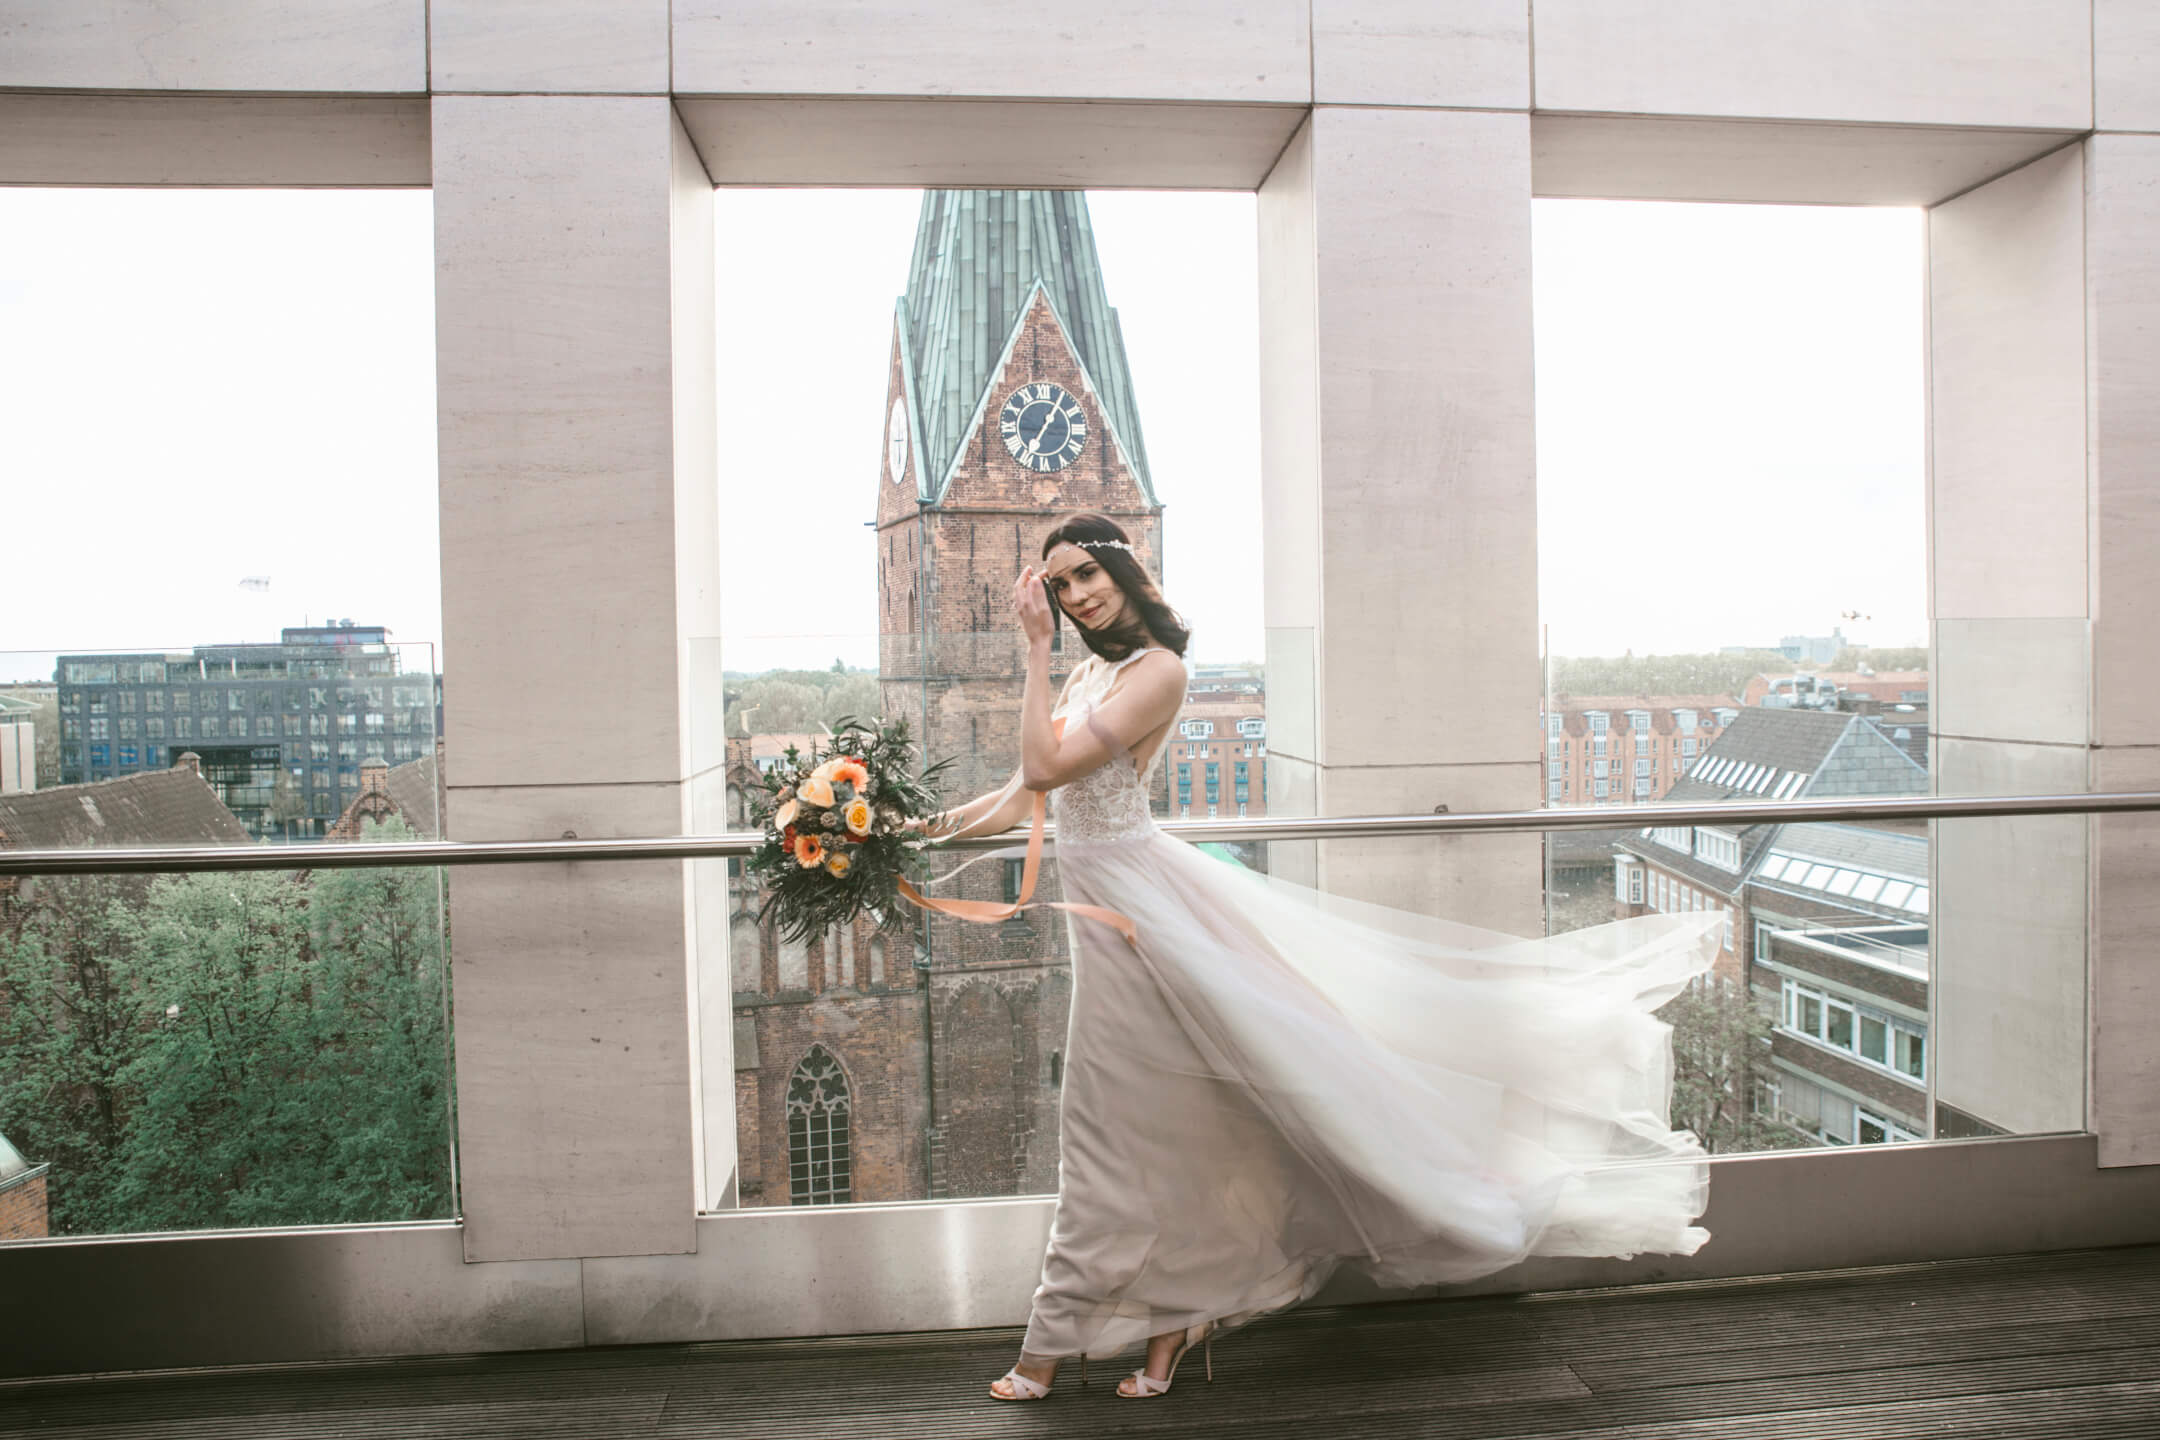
(23, 1209)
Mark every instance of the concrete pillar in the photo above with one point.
(2123, 314)
(1400, 494)
(2008, 546)
(575, 320)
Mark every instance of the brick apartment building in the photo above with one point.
(1216, 766)
(921, 1056)
(1627, 750)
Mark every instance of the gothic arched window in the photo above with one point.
(817, 1113)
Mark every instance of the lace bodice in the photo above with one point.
(1108, 803)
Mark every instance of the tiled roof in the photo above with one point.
(979, 255)
(160, 807)
(1782, 755)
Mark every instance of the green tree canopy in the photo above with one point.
(231, 1049)
(798, 702)
(1650, 675)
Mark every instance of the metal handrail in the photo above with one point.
(118, 861)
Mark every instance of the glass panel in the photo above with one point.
(221, 1050)
(952, 1033)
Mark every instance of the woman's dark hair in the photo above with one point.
(1147, 615)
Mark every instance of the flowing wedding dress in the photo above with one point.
(1271, 1082)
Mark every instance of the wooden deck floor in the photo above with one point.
(2061, 1345)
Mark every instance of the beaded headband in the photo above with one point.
(1104, 545)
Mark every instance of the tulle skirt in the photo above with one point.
(1274, 1082)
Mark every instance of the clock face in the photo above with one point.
(896, 441)
(1043, 427)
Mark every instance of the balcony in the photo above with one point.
(604, 1164)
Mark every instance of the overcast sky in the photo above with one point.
(201, 387)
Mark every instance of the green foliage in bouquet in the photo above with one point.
(837, 837)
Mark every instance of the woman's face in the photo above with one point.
(1081, 587)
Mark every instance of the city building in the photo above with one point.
(1826, 689)
(1216, 765)
(281, 729)
(18, 745)
(1762, 755)
(1838, 916)
(1612, 750)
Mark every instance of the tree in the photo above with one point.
(233, 1049)
(1721, 1048)
(1653, 675)
(1852, 657)
(69, 1028)
(797, 702)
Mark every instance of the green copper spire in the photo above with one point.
(979, 254)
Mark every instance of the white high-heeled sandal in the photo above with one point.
(1147, 1387)
(1026, 1389)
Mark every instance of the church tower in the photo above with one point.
(1009, 404)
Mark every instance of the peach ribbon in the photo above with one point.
(988, 912)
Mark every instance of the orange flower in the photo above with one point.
(857, 816)
(837, 865)
(809, 851)
(817, 790)
(851, 770)
(785, 816)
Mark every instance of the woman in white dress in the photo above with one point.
(1265, 1082)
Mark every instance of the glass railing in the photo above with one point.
(201, 1050)
(914, 1057)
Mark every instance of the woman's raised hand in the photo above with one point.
(1031, 602)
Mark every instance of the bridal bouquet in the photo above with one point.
(837, 840)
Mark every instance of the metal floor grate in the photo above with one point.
(2030, 1347)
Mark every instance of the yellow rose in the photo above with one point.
(784, 816)
(857, 816)
(836, 864)
(817, 790)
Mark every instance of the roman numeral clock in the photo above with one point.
(1043, 427)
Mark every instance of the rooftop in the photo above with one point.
(158, 807)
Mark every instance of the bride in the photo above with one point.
(1263, 1082)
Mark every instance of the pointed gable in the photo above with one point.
(979, 257)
